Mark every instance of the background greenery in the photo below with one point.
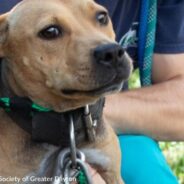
(174, 152)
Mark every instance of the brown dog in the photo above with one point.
(61, 54)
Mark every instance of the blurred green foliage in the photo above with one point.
(174, 152)
(134, 81)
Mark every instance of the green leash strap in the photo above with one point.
(146, 70)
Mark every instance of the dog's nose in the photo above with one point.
(108, 54)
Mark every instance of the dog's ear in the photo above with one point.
(3, 32)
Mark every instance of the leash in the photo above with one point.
(147, 31)
(72, 162)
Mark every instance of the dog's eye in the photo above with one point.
(102, 18)
(51, 32)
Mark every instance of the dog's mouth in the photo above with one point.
(112, 86)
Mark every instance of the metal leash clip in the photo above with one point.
(72, 162)
(90, 124)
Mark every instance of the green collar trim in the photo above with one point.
(6, 103)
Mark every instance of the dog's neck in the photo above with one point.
(51, 127)
(17, 146)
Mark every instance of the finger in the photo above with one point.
(95, 176)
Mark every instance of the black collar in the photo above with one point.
(52, 127)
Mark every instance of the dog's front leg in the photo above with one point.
(105, 156)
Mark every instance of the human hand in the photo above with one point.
(96, 178)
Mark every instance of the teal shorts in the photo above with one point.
(143, 162)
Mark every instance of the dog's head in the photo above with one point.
(61, 53)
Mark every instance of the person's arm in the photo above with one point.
(156, 111)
